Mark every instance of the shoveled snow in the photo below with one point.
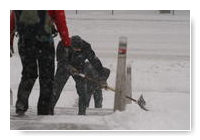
(159, 53)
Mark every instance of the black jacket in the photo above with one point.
(77, 58)
(92, 73)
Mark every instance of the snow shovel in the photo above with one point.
(141, 102)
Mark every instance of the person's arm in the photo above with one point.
(59, 19)
(63, 58)
(96, 63)
(94, 60)
(12, 28)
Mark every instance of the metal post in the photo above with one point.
(112, 12)
(128, 84)
(11, 97)
(173, 12)
(119, 103)
(76, 12)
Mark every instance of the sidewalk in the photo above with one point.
(64, 119)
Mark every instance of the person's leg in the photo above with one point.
(88, 93)
(29, 75)
(98, 98)
(62, 74)
(60, 79)
(46, 57)
(81, 90)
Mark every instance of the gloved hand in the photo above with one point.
(73, 71)
(62, 52)
(103, 84)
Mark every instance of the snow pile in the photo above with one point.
(166, 112)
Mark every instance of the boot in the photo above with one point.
(82, 110)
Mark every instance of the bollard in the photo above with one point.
(120, 87)
(11, 97)
(128, 84)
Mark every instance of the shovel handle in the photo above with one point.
(131, 98)
(110, 88)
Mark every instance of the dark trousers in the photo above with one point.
(61, 77)
(36, 57)
(93, 89)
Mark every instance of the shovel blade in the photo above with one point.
(141, 102)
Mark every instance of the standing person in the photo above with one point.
(37, 53)
(71, 61)
(93, 87)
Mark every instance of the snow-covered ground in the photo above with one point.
(159, 53)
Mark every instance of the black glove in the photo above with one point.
(62, 52)
(103, 84)
(73, 71)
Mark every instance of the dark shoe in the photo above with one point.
(82, 111)
(51, 111)
(20, 113)
(45, 113)
(42, 112)
(98, 106)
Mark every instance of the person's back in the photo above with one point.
(75, 58)
(34, 25)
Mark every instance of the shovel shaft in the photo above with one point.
(93, 80)
(131, 98)
(112, 89)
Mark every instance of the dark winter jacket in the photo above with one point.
(57, 17)
(77, 58)
(92, 73)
